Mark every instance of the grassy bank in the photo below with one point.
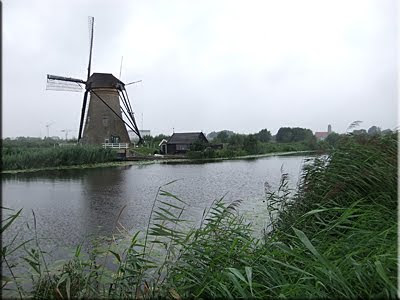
(19, 158)
(335, 237)
(34, 154)
(258, 148)
(83, 166)
(114, 163)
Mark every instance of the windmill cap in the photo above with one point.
(104, 80)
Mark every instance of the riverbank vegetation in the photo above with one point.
(287, 139)
(334, 237)
(31, 153)
(27, 153)
(234, 144)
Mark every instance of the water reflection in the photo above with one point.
(71, 205)
(103, 197)
(50, 175)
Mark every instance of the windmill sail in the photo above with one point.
(85, 96)
(59, 83)
(91, 29)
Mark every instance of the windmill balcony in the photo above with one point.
(116, 145)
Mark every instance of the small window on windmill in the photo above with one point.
(115, 139)
(105, 121)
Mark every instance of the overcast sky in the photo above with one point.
(206, 65)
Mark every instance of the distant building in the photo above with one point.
(134, 138)
(163, 146)
(180, 143)
(322, 135)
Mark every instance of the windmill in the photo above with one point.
(104, 120)
(66, 132)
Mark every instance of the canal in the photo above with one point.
(73, 206)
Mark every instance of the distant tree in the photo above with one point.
(250, 144)
(387, 131)
(374, 130)
(359, 132)
(161, 136)
(284, 135)
(263, 135)
(212, 135)
(296, 134)
(222, 137)
(148, 138)
(301, 134)
(236, 139)
(333, 139)
(311, 141)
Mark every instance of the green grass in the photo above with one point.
(18, 158)
(335, 237)
(143, 150)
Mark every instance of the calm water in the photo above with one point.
(71, 205)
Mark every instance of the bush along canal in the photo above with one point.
(335, 237)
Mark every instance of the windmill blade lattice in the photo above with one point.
(62, 85)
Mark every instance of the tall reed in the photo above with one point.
(335, 237)
(31, 158)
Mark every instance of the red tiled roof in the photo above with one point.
(321, 134)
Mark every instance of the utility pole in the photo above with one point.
(66, 132)
(47, 127)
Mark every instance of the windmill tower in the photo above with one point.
(109, 110)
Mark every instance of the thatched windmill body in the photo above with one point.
(109, 111)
